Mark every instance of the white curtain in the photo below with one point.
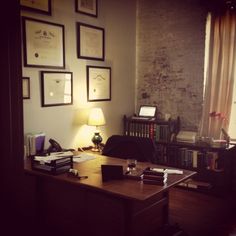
(220, 67)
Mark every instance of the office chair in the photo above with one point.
(121, 146)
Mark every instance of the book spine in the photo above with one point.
(154, 173)
(154, 177)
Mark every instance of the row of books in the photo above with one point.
(34, 143)
(152, 130)
(187, 158)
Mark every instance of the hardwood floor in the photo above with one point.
(200, 214)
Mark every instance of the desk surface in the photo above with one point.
(126, 188)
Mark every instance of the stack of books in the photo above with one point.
(151, 176)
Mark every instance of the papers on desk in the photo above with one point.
(53, 156)
(83, 157)
(56, 163)
(169, 171)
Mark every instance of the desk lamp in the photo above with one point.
(96, 118)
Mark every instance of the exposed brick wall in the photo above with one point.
(170, 57)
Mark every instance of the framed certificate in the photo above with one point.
(98, 83)
(90, 42)
(38, 6)
(44, 44)
(56, 88)
(88, 7)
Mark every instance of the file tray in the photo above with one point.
(55, 167)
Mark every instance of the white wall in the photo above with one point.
(67, 124)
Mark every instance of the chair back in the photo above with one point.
(121, 146)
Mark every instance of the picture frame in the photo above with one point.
(43, 43)
(87, 7)
(26, 87)
(56, 88)
(90, 42)
(98, 83)
(37, 6)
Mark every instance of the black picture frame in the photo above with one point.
(43, 44)
(37, 6)
(87, 7)
(90, 42)
(56, 88)
(98, 83)
(26, 87)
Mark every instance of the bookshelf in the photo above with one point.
(213, 165)
(158, 130)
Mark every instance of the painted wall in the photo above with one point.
(170, 57)
(67, 124)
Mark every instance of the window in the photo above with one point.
(232, 124)
(219, 76)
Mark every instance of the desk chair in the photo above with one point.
(140, 148)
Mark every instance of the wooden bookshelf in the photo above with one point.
(213, 165)
(158, 130)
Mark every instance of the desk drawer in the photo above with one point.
(150, 218)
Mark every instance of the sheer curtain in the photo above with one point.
(220, 68)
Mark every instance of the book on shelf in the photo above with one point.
(212, 160)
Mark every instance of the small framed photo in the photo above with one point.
(38, 6)
(26, 87)
(44, 44)
(90, 42)
(56, 88)
(88, 7)
(98, 83)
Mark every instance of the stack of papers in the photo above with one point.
(53, 156)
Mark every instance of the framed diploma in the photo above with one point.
(90, 42)
(26, 87)
(38, 6)
(98, 83)
(56, 88)
(44, 44)
(88, 7)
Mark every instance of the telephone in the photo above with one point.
(54, 147)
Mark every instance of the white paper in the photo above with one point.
(83, 157)
(169, 171)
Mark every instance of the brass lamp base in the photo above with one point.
(97, 139)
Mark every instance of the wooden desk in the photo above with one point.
(92, 207)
